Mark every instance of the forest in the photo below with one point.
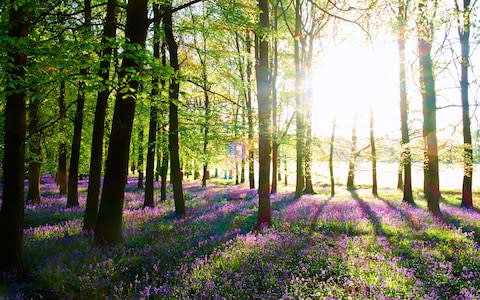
(253, 149)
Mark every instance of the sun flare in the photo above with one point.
(350, 79)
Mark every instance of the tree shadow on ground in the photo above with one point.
(367, 210)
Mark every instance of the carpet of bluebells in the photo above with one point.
(351, 246)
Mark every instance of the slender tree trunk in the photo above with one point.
(35, 159)
(140, 157)
(432, 192)
(405, 159)
(175, 172)
(400, 175)
(12, 212)
(264, 120)
(279, 168)
(108, 229)
(164, 166)
(251, 155)
(96, 151)
(61, 175)
(374, 157)
(285, 169)
(158, 156)
(152, 127)
(330, 159)
(72, 194)
(353, 158)
(207, 119)
(299, 104)
(464, 33)
(274, 102)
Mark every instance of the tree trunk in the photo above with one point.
(96, 151)
(108, 229)
(164, 167)
(432, 192)
(35, 159)
(353, 158)
(140, 157)
(405, 159)
(274, 102)
(72, 194)
(175, 172)
(264, 117)
(374, 157)
(285, 169)
(400, 175)
(299, 104)
(464, 33)
(12, 212)
(251, 155)
(330, 160)
(61, 175)
(152, 127)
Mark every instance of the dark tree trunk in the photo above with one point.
(72, 194)
(464, 33)
(164, 168)
(405, 157)
(274, 103)
(308, 152)
(96, 151)
(108, 229)
(299, 104)
(374, 157)
(264, 121)
(140, 157)
(174, 88)
(330, 160)
(400, 175)
(279, 168)
(285, 174)
(61, 175)
(35, 159)
(353, 158)
(251, 155)
(12, 212)
(158, 157)
(152, 128)
(432, 191)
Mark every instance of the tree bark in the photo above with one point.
(405, 159)
(61, 175)
(12, 212)
(35, 159)
(274, 103)
(140, 157)
(72, 194)
(251, 155)
(299, 104)
(425, 36)
(464, 34)
(175, 171)
(330, 159)
(374, 157)
(96, 151)
(264, 120)
(152, 127)
(108, 229)
(353, 158)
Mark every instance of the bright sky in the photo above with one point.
(349, 79)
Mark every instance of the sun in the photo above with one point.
(351, 78)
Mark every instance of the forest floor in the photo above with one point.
(351, 246)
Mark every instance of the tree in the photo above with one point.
(405, 156)
(96, 150)
(299, 103)
(427, 81)
(12, 211)
(374, 157)
(251, 154)
(264, 118)
(35, 153)
(273, 78)
(72, 193)
(152, 127)
(140, 156)
(330, 159)
(464, 34)
(108, 229)
(353, 157)
(61, 174)
(174, 89)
